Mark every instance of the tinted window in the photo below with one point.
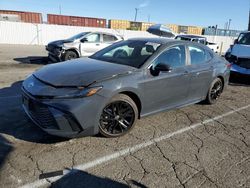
(93, 38)
(109, 38)
(174, 57)
(198, 55)
(244, 38)
(131, 52)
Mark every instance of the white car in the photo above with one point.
(199, 39)
(82, 44)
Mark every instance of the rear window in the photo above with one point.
(198, 55)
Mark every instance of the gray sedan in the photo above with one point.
(111, 89)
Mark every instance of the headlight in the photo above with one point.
(80, 92)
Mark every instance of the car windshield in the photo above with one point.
(244, 38)
(131, 52)
(78, 36)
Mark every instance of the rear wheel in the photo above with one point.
(215, 91)
(69, 55)
(118, 116)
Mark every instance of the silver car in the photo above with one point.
(82, 44)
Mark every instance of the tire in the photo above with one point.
(69, 55)
(214, 91)
(118, 117)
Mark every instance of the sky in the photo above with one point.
(183, 12)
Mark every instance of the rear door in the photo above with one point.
(108, 39)
(90, 44)
(200, 69)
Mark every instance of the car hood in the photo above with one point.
(241, 51)
(80, 72)
(60, 42)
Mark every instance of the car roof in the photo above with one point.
(154, 40)
(190, 36)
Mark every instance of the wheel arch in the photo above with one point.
(135, 98)
(73, 50)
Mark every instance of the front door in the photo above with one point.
(167, 89)
(90, 44)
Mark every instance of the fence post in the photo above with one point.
(221, 46)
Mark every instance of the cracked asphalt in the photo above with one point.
(213, 154)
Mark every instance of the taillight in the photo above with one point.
(229, 65)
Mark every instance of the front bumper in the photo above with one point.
(65, 118)
(54, 54)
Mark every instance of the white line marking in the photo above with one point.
(132, 149)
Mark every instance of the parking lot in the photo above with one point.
(196, 146)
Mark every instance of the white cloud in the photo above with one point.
(144, 4)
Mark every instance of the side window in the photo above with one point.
(109, 38)
(93, 38)
(174, 57)
(198, 55)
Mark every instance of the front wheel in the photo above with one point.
(69, 55)
(215, 91)
(118, 116)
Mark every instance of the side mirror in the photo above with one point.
(84, 40)
(162, 67)
(236, 41)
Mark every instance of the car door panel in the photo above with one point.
(166, 90)
(201, 74)
(92, 45)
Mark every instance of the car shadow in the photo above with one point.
(5, 149)
(39, 60)
(80, 179)
(14, 121)
(239, 81)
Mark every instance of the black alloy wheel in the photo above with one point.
(215, 91)
(118, 116)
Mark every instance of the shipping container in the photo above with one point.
(183, 29)
(76, 21)
(146, 25)
(194, 30)
(173, 27)
(119, 24)
(29, 17)
(10, 17)
(136, 26)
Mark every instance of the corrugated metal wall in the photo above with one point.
(41, 34)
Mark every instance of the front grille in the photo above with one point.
(40, 113)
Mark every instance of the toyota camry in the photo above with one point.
(107, 92)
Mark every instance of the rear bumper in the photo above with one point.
(65, 118)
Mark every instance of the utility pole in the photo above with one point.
(229, 23)
(149, 18)
(136, 10)
(60, 10)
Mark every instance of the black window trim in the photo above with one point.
(168, 48)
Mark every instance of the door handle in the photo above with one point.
(97, 44)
